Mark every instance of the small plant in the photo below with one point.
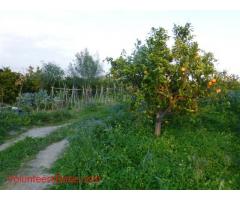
(39, 100)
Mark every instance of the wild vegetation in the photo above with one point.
(12, 158)
(14, 123)
(195, 151)
(175, 92)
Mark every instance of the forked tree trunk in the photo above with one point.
(158, 124)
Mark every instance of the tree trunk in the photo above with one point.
(158, 124)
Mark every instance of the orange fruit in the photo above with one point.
(218, 90)
(210, 83)
(214, 81)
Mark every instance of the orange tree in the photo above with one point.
(225, 94)
(163, 79)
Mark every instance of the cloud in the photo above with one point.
(30, 37)
(19, 52)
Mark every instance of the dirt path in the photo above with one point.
(38, 167)
(35, 132)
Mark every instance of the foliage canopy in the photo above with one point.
(163, 79)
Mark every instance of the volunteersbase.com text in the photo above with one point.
(56, 179)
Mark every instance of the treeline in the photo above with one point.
(153, 75)
(85, 71)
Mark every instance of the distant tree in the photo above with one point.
(10, 84)
(85, 66)
(52, 75)
(32, 82)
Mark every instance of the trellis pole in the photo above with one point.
(83, 95)
(96, 94)
(107, 95)
(64, 96)
(52, 96)
(72, 96)
(90, 95)
(101, 94)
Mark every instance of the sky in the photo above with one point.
(32, 32)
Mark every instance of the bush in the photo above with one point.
(39, 100)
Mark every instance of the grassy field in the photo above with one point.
(12, 158)
(14, 123)
(197, 151)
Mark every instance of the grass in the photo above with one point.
(12, 158)
(193, 152)
(15, 123)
